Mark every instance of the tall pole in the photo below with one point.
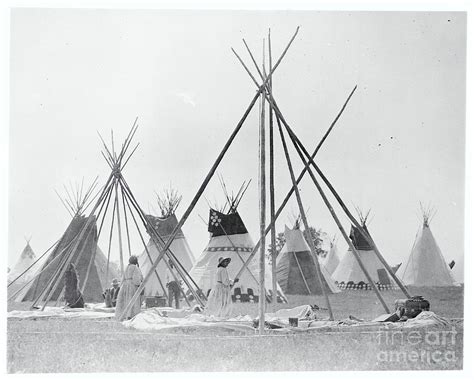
(117, 208)
(272, 187)
(262, 206)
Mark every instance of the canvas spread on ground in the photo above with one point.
(262, 225)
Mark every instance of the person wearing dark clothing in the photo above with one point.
(72, 294)
(174, 289)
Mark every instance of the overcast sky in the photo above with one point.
(400, 140)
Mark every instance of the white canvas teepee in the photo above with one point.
(179, 247)
(426, 265)
(26, 259)
(296, 269)
(349, 274)
(230, 238)
(332, 261)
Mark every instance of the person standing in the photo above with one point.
(131, 280)
(72, 294)
(219, 303)
(174, 288)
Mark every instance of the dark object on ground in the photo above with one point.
(293, 322)
(411, 307)
(156, 301)
(268, 325)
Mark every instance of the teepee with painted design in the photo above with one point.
(229, 238)
(349, 274)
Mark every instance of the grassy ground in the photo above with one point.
(58, 345)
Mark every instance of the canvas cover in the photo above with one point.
(179, 247)
(332, 259)
(426, 265)
(349, 269)
(96, 282)
(296, 270)
(26, 259)
(237, 246)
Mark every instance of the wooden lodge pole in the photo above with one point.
(119, 227)
(262, 206)
(272, 187)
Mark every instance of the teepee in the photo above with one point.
(25, 261)
(230, 238)
(90, 261)
(426, 265)
(296, 269)
(331, 261)
(164, 225)
(349, 274)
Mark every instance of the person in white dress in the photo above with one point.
(131, 280)
(219, 303)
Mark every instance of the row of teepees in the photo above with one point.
(227, 229)
(296, 273)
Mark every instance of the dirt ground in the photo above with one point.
(58, 345)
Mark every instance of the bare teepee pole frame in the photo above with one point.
(209, 175)
(115, 162)
(75, 249)
(272, 102)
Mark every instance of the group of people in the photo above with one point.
(119, 295)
